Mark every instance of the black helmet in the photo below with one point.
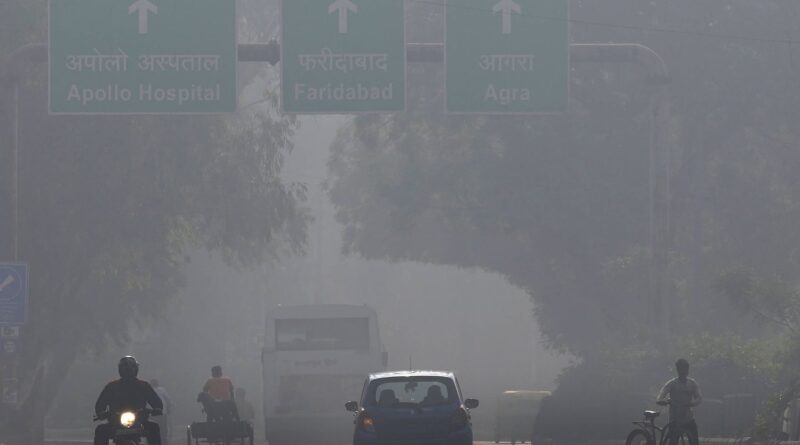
(128, 367)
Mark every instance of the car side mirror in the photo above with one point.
(471, 403)
(351, 406)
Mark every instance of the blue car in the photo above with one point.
(412, 407)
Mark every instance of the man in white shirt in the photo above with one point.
(245, 408)
(163, 420)
(682, 394)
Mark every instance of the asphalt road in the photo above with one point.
(83, 437)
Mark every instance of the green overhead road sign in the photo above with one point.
(142, 56)
(343, 56)
(506, 56)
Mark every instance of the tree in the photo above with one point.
(559, 204)
(555, 203)
(20, 22)
(109, 205)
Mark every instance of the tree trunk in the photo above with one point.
(39, 386)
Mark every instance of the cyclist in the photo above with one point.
(681, 394)
(219, 389)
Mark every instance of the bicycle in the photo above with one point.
(645, 434)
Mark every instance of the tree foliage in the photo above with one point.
(560, 204)
(110, 204)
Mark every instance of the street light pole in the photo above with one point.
(659, 174)
(10, 77)
(15, 171)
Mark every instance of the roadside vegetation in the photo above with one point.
(560, 205)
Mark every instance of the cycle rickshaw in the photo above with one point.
(222, 425)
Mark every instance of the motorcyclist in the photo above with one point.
(127, 393)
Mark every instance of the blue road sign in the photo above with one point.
(13, 293)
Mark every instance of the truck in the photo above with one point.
(315, 359)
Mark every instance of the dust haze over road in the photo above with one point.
(435, 317)
(534, 194)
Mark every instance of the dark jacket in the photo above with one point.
(133, 394)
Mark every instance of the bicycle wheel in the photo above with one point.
(683, 438)
(639, 437)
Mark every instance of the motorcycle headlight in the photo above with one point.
(127, 419)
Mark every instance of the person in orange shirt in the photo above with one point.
(217, 398)
(218, 386)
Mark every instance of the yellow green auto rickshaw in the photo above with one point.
(516, 413)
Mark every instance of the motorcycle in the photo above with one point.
(128, 426)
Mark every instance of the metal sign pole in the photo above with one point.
(15, 172)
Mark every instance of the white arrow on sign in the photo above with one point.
(9, 280)
(506, 7)
(342, 7)
(144, 8)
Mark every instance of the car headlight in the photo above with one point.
(366, 423)
(127, 419)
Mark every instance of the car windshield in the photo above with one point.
(404, 392)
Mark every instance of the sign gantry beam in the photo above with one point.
(634, 53)
(36, 53)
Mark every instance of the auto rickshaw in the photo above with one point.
(516, 413)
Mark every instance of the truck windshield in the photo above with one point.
(322, 334)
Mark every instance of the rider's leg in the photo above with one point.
(163, 426)
(167, 431)
(228, 407)
(673, 433)
(153, 433)
(691, 428)
(102, 434)
(235, 410)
